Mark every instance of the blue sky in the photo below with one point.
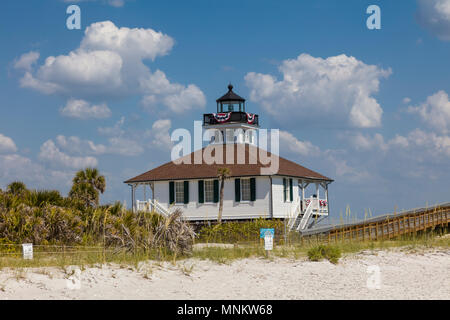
(368, 108)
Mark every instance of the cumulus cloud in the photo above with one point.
(50, 153)
(116, 145)
(7, 144)
(16, 167)
(27, 60)
(109, 63)
(116, 130)
(434, 15)
(84, 73)
(159, 135)
(430, 143)
(81, 109)
(136, 42)
(435, 111)
(292, 144)
(175, 97)
(316, 89)
(418, 144)
(76, 145)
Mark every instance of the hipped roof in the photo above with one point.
(251, 167)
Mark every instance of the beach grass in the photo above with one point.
(313, 250)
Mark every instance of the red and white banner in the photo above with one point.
(251, 118)
(222, 117)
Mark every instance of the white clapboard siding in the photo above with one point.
(231, 209)
(282, 209)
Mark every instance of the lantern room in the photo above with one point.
(230, 102)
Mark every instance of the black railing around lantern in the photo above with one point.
(235, 117)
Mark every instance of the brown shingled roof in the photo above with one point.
(172, 171)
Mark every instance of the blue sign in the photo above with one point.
(263, 231)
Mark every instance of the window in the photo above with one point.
(245, 190)
(209, 190)
(287, 189)
(179, 192)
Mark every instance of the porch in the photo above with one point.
(309, 210)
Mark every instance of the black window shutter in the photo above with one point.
(201, 193)
(186, 192)
(291, 191)
(216, 191)
(252, 189)
(237, 190)
(284, 189)
(171, 192)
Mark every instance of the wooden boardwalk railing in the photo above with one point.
(388, 226)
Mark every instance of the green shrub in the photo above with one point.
(44, 217)
(239, 231)
(331, 253)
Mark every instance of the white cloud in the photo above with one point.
(430, 143)
(159, 135)
(7, 144)
(406, 100)
(81, 109)
(116, 130)
(26, 60)
(117, 145)
(366, 142)
(435, 111)
(19, 168)
(435, 16)
(110, 63)
(176, 97)
(417, 144)
(320, 90)
(292, 144)
(86, 72)
(75, 145)
(137, 42)
(124, 146)
(50, 153)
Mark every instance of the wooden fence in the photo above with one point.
(387, 227)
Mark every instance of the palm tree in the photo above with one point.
(86, 186)
(222, 174)
(16, 188)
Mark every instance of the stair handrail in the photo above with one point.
(159, 208)
(306, 216)
(294, 215)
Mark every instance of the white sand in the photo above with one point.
(420, 275)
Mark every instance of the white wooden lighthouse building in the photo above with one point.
(292, 192)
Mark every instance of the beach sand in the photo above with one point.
(424, 274)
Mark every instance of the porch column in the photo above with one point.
(133, 197)
(152, 186)
(318, 197)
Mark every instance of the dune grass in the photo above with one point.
(312, 250)
(315, 250)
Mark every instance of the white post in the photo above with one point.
(326, 198)
(303, 196)
(133, 196)
(317, 197)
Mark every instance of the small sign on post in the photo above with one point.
(27, 249)
(267, 234)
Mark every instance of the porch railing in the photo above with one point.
(151, 206)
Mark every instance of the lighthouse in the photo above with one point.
(231, 123)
